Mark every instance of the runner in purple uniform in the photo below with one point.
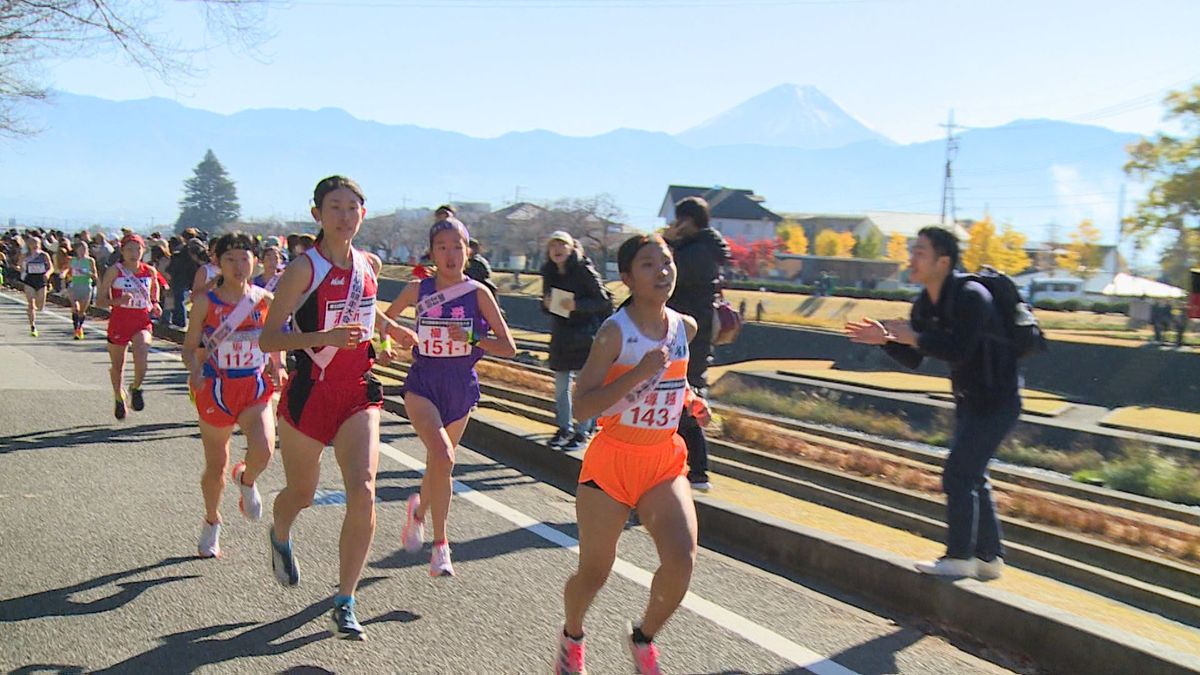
(454, 316)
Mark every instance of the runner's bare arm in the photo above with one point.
(502, 343)
(193, 351)
(287, 300)
(104, 294)
(690, 325)
(592, 396)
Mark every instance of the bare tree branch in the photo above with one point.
(33, 32)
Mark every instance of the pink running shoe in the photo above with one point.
(645, 656)
(439, 561)
(413, 533)
(250, 502)
(570, 656)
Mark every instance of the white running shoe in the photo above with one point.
(413, 533)
(949, 567)
(250, 503)
(210, 540)
(439, 561)
(989, 570)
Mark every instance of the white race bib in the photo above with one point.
(139, 298)
(433, 338)
(240, 351)
(660, 409)
(38, 267)
(365, 315)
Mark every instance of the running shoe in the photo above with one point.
(560, 439)
(33, 331)
(79, 333)
(250, 503)
(570, 656)
(210, 540)
(413, 534)
(439, 561)
(345, 624)
(645, 655)
(119, 409)
(283, 561)
(138, 403)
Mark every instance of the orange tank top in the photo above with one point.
(238, 355)
(650, 414)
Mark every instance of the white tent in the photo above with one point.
(1128, 286)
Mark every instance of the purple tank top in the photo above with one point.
(434, 344)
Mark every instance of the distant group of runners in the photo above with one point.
(321, 309)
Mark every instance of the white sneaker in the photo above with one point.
(703, 486)
(949, 567)
(250, 503)
(439, 562)
(989, 570)
(413, 534)
(210, 540)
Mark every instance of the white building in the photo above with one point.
(736, 214)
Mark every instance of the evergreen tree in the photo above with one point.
(209, 197)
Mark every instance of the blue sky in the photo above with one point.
(583, 67)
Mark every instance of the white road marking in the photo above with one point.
(735, 623)
(760, 635)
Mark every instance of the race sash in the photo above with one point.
(640, 391)
(234, 319)
(323, 356)
(273, 281)
(139, 293)
(439, 298)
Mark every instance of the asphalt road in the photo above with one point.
(98, 528)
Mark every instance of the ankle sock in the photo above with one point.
(343, 600)
(640, 637)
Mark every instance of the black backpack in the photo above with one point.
(1020, 326)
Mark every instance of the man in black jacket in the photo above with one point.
(700, 251)
(956, 321)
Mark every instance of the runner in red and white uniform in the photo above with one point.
(131, 289)
(331, 398)
(233, 381)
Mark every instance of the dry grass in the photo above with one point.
(515, 377)
(1015, 502)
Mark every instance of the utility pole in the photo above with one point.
(517, 194)
(948, 205)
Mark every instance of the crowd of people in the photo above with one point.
(299, 318)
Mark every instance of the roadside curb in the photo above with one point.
(1055, 640)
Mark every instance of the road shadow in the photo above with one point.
(462, 474)
(89, 434)
(482, 548)
(58, 602)
(876, 656)
(190, 650)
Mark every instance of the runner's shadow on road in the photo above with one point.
(93, 434)
(482, 548)
(58, 602)
(188, 651)
(876, 656)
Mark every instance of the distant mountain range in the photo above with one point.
(110, 162)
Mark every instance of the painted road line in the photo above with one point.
(726, 619)
(760, 635)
